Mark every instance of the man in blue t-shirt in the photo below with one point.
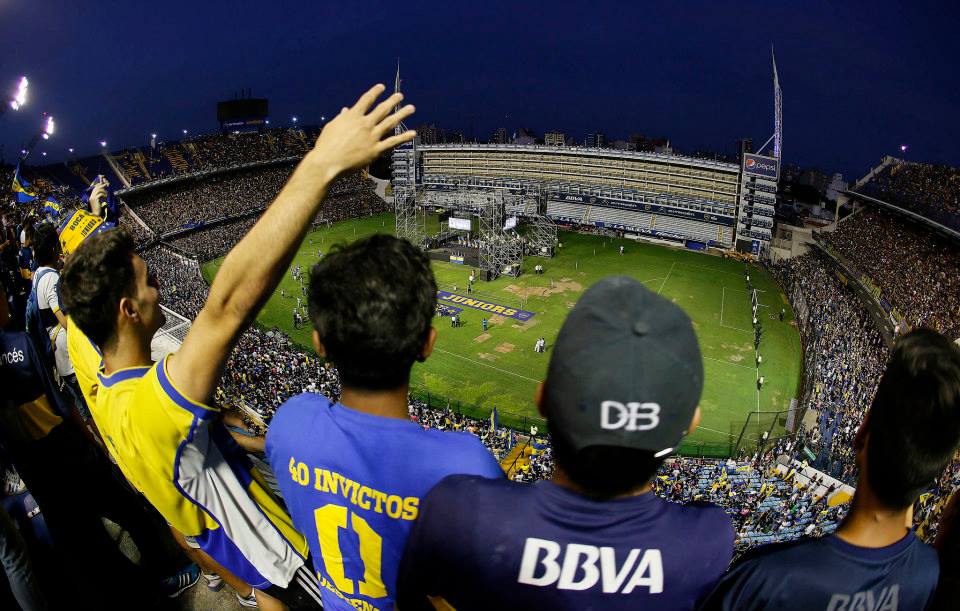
(622, 388)
(353, 473)
(873, 561)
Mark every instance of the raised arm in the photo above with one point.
(255, 266)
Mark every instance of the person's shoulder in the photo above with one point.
(784, 554)
(297, 408)
(470, 491)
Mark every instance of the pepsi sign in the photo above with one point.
(758, 165)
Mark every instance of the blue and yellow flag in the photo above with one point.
(52, 207)
(494, 420)
(22, 188)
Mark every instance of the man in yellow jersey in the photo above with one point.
(158, 422)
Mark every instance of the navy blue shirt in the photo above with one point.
(830, 574)
(485, 544)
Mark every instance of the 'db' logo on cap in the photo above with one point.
(633, 416)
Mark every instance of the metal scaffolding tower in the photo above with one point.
(501, 251)
(410, 218)
(541, 231)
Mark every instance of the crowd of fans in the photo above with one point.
(212, 242)
(844, 358)
(228, 150)
(932, 191)
(917, 271)
(184, 205)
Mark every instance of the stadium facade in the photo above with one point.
(698, 202)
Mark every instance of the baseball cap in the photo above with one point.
(626, 370)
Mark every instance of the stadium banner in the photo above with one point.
(462, 224)
(593, 200)
(448, 298)
(759, 165)
(458, 259)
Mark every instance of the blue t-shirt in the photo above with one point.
(481, 544)
(353, 484)
(830, 574)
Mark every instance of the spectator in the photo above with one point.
(909, 435)
(595, 536)
(221, 514)
(368, 442)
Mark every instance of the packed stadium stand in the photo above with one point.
(930, 190)
(179, 222)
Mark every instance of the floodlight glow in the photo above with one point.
(103, 143)
(70, 150)
(46, 136)
(20, 98)
(49, 127)
(294, 119)
(903, 148)
(153, 135)
(44, 153)
(184, 132)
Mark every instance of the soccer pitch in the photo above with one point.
(477, 370)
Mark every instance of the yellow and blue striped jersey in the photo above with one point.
(178, 454)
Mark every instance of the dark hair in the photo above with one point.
(603, 472)
(914, 421)
(46, 244)
(96, 276)
(372, 303)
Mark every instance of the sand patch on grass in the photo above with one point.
(559, 287)
(523, 326)
(482, 337)
(496, 319)
(504, 348)
(487, 357)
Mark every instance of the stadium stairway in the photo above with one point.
(176, 160)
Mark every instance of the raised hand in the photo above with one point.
(355, 137)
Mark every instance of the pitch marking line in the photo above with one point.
(707, 428)
(723, 298)
(667, 278)
(460, 356)
(710, 358)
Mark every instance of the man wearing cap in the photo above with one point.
(621, 392)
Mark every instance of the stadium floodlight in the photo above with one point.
(44, 153)
(268, 121)
(184, 132)
(903, 148)
(103, 144)
(48, 127)
(323, 118)
(153, 135)
(294, 119)
(70, 150)
(20, 97)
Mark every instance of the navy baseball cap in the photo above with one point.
(626, 370)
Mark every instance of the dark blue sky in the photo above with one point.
(858, 78)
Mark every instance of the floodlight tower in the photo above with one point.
(49, 126)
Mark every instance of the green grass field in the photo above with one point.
(478, 370)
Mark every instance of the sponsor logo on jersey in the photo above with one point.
(581, 567)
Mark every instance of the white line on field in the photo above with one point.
(707, 428)
(709, 358)
(460, 356)
(667, 278)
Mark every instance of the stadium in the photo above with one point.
(796, 319)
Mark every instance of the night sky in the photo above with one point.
(858, 79)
